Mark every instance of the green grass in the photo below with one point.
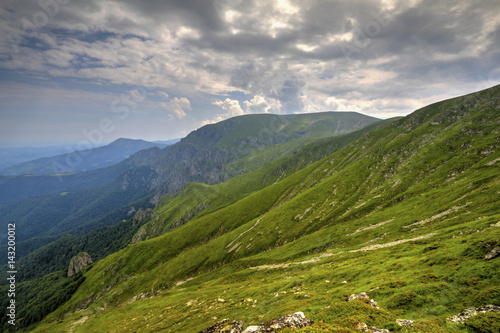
(430, 179)
(196, 200)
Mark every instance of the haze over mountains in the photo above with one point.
(47, 206)
(81, 160)
(259, 216)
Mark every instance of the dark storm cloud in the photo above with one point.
(378, 57)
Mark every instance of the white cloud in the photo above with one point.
(283, 54)
(232, 107)
(187, 32)
(261, 104)
(177, 106)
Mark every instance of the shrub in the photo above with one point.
(484, 323)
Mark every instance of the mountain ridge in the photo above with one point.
(82, 160)
(149, 174)
(388, 214)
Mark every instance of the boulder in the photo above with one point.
(365, 296)
(362, 327)
(493, 253)
(467, 313)
(78, 262)
(404, 322)
(225, 326)
(294, 320)
(360, 295)
(379, 330)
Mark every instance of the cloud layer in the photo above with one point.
(198, 61)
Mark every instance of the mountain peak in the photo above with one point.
(121, 141)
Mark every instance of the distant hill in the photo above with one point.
(208, 155)
(167, 142)
(16, 188)
(10, 156)
(81, 160)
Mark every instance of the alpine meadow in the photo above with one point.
(231, 166)
(404, 209)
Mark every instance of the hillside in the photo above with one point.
(407, 213)
(196, 200)
(215, 153)
(81, 160)
(193, 201)
(82, 202)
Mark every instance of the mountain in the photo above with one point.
(68, 204)
(167, 142)
(218, 152)
(15, 188)
(406, 213)
(10, 156)
(193, 201)
(81, 160)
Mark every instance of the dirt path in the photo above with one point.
(324, 255)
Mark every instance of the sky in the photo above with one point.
(88, 72)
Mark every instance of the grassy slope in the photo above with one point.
(80, 211)
(196, 200)
(432, 173)
(210, 154)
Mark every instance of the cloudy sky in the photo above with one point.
(97, 70)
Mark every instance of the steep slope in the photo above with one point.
(81, 160)
(193, 201)
(406, 213)
(196, 200)
(208, 155)
(79, 207)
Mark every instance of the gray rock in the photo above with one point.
(374, 304)
(467, 313)
(365, 296)
(225, 326)
(362, 327)
(360, 295)
(295, 320)
(404, 322)
(493, 253)
(379, 330)
(78, 262)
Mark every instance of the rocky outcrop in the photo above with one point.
(225, 326)
(493, 253)
(78, 262)
(467, 313)
(362, 327)
(404, 322)
(294, 320)
(364, 296)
